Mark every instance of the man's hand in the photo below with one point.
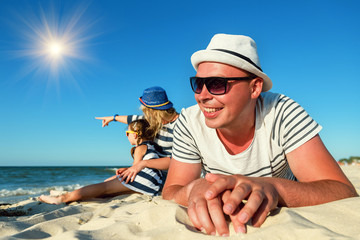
(261, 196)
(206, 214)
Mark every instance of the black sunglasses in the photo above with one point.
(215, 85)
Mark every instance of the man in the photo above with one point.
(254, 145)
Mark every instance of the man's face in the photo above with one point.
(231, 109)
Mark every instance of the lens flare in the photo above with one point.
(54, 42)
(55, 49)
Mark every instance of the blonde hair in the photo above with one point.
(143, 131)
(156, 117)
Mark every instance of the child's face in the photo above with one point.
(132, 137)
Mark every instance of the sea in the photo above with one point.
(21, 183)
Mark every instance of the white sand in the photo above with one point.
(141, 217)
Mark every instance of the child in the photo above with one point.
(147, 181)
(158, 110)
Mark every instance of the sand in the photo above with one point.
(142, 217)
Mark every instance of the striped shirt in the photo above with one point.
(281, 126)
(164, 138)
(148, 181)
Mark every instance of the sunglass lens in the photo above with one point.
(216, 86)
(196, 84)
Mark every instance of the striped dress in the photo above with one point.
(148, 181)
(281, 126)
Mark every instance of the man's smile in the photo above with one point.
(212, 110)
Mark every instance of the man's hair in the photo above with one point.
(250, 74)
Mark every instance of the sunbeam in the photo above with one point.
(54, 42)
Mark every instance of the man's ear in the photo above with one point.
(256, 87)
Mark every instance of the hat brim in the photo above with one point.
(209, 55)
(163, 107)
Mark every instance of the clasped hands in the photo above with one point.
(217, 195)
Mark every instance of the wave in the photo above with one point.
(37, 191)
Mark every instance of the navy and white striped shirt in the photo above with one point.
(164, 138)
(148, 181)
(282, 125)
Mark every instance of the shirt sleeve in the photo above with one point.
(184, 146)
(131, 118)
(293, 126)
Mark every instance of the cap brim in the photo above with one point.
(164, 107)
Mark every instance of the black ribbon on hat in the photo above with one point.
(240, 56)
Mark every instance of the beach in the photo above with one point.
(138, 216)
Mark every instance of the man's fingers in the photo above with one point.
(210, 177)
(255, 199)
(238, 226)
(261, 214)
(220, 185)
(236, 197)
(193, 216)
(217, 216)
(208, 216)
(203, 216)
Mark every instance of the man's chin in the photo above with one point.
(212, 123)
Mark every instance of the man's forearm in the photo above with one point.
(180, 194)
(298, 194)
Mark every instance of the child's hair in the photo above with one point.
(143, 131)
(156, 117)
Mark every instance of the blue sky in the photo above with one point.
(115, 49)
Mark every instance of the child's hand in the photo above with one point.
(128, 175)
(131, 172)
(120, 170)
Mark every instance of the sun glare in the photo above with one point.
(55, 49)
(54, 42)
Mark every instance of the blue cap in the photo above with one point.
(156, 98)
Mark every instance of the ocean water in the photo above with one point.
(20, 183)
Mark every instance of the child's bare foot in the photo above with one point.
(55, 193)
(50, 199)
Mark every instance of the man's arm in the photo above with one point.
(184, 186)
(320, 180)
(179, 181)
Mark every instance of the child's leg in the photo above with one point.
(91, 191)
(110, 178)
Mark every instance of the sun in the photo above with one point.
(55, 49)
(56, 42)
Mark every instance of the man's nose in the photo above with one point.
(205, 94)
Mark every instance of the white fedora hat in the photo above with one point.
(235, 50)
